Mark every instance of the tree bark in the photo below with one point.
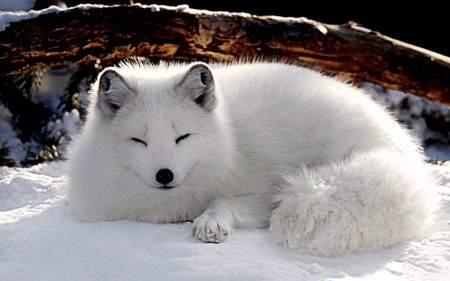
(177, 33)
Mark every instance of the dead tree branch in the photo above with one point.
(349, 51)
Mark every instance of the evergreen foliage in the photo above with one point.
(36, 123)
(4, 153)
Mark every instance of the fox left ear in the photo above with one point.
(199, 83)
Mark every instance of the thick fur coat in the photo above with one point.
(249, 145)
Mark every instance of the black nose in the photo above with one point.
(164, 176)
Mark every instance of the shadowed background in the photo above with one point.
(424, 24)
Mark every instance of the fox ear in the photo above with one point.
(112, 92)
(199, 84)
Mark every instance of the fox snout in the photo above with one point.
(164, 177)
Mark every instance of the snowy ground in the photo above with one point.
(41, 240)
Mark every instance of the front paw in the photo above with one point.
(211, 229)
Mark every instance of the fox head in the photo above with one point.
(160, 124)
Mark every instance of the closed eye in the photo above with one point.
(181, 138)
(140, 141)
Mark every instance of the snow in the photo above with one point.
(361, 28)
(412, 110)
(17, 10)
(16, 5)
(7, 17)
(10, 13)
(41, 240)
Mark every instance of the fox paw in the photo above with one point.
(210, 229)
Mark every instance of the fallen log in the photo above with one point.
(90, 32)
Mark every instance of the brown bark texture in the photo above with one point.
(177, 33)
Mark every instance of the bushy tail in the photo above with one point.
(368, 201)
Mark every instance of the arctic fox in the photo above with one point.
(246, 146)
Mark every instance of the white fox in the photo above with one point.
(250, 145)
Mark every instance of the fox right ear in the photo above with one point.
(112, 92)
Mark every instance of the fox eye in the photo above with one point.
(181, 138)
(138, 140)
(115, 107)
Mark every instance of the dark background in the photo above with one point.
(422, 23)
(426, 26)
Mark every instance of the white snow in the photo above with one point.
(410, 109)
(41, 240)
(8, 15)
(17, 10)
(8, 136)
(361, 28)
(16, 5)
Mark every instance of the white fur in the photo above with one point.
(326, 166)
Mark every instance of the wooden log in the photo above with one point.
(349, 51)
